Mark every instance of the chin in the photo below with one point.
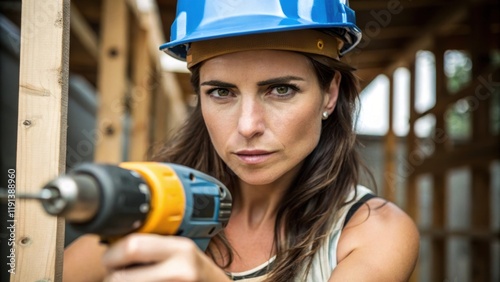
(259, 177)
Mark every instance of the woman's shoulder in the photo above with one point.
(378, 235)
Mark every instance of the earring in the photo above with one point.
(325, 115)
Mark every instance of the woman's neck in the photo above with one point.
(257, 205)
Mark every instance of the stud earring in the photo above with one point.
(325, 115)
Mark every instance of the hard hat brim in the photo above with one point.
(229, 27)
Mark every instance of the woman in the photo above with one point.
(274, 122)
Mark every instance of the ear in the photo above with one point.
(332, 93)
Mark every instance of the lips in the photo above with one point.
(253, 156)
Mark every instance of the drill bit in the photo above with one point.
(46, 194)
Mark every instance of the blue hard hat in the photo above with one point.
(199, 20)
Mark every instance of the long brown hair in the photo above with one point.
(308, 212)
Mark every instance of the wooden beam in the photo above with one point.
(390, 170)
(370, 56)
(160, 118)
(439, 208)
(441, 23)
(477, 91)
(411, 150)
(176, 109)
(412, 194)
(367, 75)
(84, 32)
(140, 97)
(41, 139)
(439, 199)
(476, 233)
(480, 153)
(481, 180)
(112, 81)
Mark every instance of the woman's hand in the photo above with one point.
(150, 257)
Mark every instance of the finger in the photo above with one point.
(171, 270)
(145, 249)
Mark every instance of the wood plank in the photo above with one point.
(480, 153)
(411, 149)
(480, 89)
(41, 140)
(81, 28)
(439, 207)
(439, 199)
(160, 118)
(412, 195)
(475, 233)
(112, 81)
(481, 253)
(149, 19)
(140, 97)
(481, 179)
(176, 108)
(441, 23)
(390, 170)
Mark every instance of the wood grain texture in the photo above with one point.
(140, 97)
(112, 81)
(41, 144)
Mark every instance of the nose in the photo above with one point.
(251, 122)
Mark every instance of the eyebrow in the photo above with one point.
(218, 83)
(277, 80)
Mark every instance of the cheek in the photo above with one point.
(301, 128)
(218, 130)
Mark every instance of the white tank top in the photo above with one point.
(324, 261)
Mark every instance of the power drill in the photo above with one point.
(146, 197)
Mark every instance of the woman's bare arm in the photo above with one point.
(83, 260)
(380, 243)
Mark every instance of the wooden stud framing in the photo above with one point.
(84, 32)
(438, 222)
(175, 106)
(392, 176)
(480, 192)
(411, 149)
(439, 198)
(160, 121)
(112, 81)
(41, 144)
(440, 24)
(140, 98)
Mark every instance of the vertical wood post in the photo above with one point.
(392, 175)
(112, 80)
(413, 158)
(439, 201)
(160, 121)
(41, 140)
(140, 97)
(438, 223)
(480, 190)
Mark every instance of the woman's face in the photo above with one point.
(263, 111)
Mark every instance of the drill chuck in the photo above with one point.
(74, 197)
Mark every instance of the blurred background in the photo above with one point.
(428, 117)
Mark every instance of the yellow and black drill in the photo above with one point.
(146, 197)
